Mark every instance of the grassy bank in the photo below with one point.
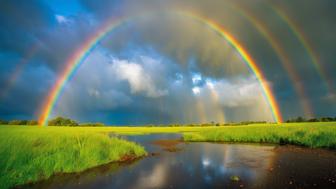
(30, 153)
(315, 135)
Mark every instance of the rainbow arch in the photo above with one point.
(9, 83)
(300, 35)
(280, 52)
(78, 57)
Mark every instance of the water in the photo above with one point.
(209, 165)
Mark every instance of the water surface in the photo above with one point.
(209, 165)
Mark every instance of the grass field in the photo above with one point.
(314, 135)
(30, 153)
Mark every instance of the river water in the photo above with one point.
(208, 165)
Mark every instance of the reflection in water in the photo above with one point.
(207, 165)
(155, 178)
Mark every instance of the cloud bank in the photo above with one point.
(143, 71)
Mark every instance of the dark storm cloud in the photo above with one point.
(23, 98)
(60, 42)
(104, 8)
(183, 41)
(21, 21)
(317, 29)
(151, 89)
(315, 20)
(32, 27)
(34, 47)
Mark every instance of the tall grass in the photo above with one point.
(315, 135)
(29, 154)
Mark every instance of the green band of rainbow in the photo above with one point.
(79, 56)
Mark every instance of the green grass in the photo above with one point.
(314, 135)
(30, 153)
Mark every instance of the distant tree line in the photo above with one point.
(216, 124)
(62, 121)
(302, 119)
(18, 122)
(57, 121)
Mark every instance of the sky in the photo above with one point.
(159, 67)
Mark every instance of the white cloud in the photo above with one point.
(196, 90)
(210, 84)
(196, 79)
(242, 92)
(140, 81)
(62, 19)
(236, 99)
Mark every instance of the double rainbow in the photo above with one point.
(281, 54)
(77, 58)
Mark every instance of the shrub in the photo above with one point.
(3, 122)
(313, 120)
(32, 122)
(17, 122)
(61, 121)
(93, 124)
(326, 119)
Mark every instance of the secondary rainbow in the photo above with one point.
(9, 83)
(248, 60)
(299, 34)
(80, 54)
(279, 50)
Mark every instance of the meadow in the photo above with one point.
(314, 135)
(31, 153)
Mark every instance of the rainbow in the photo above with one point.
(17, 72)
(286, 63)
(80, 55)
(248, 60)
(295, 29)
(72, 64)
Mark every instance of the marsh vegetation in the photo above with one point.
(314, 135)
(29, 154)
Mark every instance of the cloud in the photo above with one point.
(127, 78)
(243, 92)
(21, 22)
(24, 96)
(62, 19)
(154, 89)
(242, 95)
(109, 85)
(138, 79)
(196, 90)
